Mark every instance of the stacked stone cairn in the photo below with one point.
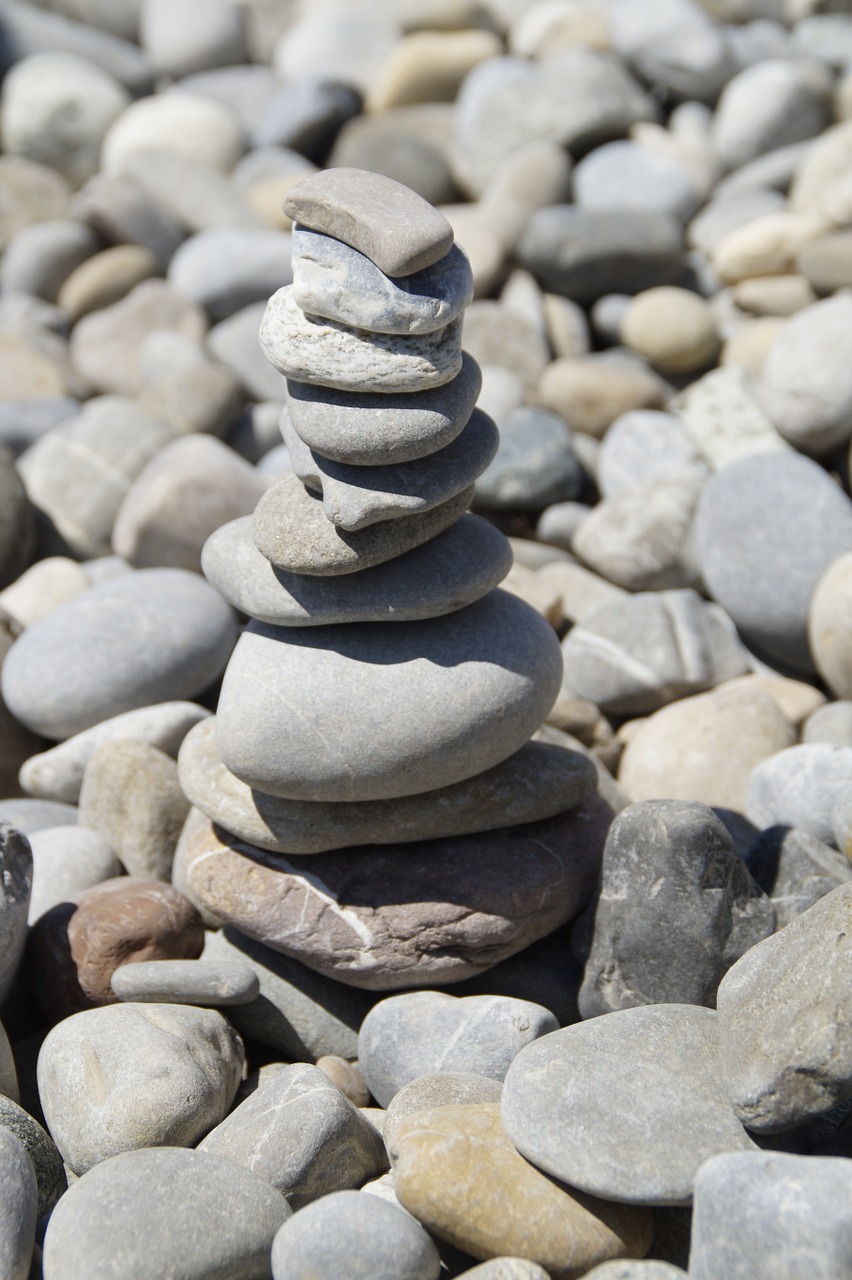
(368, 798)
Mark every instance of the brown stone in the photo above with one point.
(461, 1177)
(414, 915)
(75, 948)
(346, 1076)
(590, 393)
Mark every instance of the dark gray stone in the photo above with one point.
(301, 1135)
(144, 637)
(785, 1037)
(646, 1082)
(767, 528)
(306, 114)
(446, 573)
(16, 878)
(795, 870)
(423, 1032)
(534, 466)
(42, 1151)
(770, 1216)
(675, 908)
(131, 1211)
(586, 253)
(799, 787)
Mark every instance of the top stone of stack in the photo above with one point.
(390, 224)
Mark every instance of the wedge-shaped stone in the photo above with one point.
(389, 223)
(333, 355)
(449, 571)
(290, 528)
(333, 280)
(457, 1172)
(369, 712)
(537, 782)
(355, 497)
(369, 429)
(383, 919)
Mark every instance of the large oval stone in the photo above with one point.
(368, 712)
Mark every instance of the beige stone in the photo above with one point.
(525, 584)
(476, 233)
(429, 66)
(830, 626)
(41, 589)
(31, 193)
(495, 334)
(704, 748)
(461, 1177)
(796, 698)
(768, 246)
(545, 29)
(826, 262)
(821, 185)
(590, 393)
(106, 278)
(32, 365)
(672, 328)
(748, 347)
(580, 591)
(536, 175)
(774, 295)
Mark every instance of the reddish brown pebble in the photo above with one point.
(347, 1077)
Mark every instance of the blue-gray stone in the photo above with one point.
(534, 467)
(305, 114)
(799, 787)
(228, 268)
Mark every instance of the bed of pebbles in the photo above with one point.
(391, 890)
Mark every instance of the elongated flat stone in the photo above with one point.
(381, 918)
(451, 570)
(333, 280)
(355, 497)
(535, 783)
(198, 982)
(388, 222)
(330, 354)
(368, 429)
(291, 530)
(370, 712)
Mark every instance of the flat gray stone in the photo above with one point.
(767, 528)
(355, 497)
(330, 354)
(132, 641)
(446, 573)
(42, 1151)
(795, 870)
(646, 1082)
(537, 782)
(67, 860)
(535, 464)
(331, 279)
(423, 1032)
(458, 695)
(299, 1013)
(301, 1135)
(18, 1201)
(785, 1038)
(377, 919)
(768, 1216)
(639, 652)
(199, 982)
(371, 429)
(16, 878)
(799, 787)
(291, 529)
(440, 1089)
(136, 1075)
(130, 1211)
(39, 259)
(390, 224)
(57, 774)
(227, 268)
(664, 861)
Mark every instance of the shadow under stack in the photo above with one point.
(370, 802)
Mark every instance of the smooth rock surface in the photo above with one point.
(130, 1076)
(67, 860)
(18, 1199)
(132, 641)
(41, 1149)
(200, 982)
(795, 870)
(806, 384)
(830, 625)
(790, 1058)
(647, 1080)
(534, 465)
(441, 1089)
(800, 787)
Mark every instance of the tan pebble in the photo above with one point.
(774, 295)
(567, 326)
(749, 346)
(429, 66)
(672, 328)
(544, 29)
(265, 199)
(796, 698)
(106, 278)
(536, 175)
(768, 246)
(591, 393)
(347, 1077)
(475, 234)
(526, 584)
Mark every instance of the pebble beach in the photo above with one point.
(425, 640)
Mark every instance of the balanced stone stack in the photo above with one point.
(377, 712)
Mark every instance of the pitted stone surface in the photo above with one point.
(330, 354)
(390, 224)
(355, 497)
(383, 918)
(537, 782)
(446, 573)
(427, 703)
(333, 280)
(291, 529)
(366, 428)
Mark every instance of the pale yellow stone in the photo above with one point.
(768, 246)
(457, 1172)
(265, 199)
(796, 698)
(474, 233)
(526, 584)
(429, 66)
(774, 295)
(580, 591)
(591, 393)
(106, 278)
(41, 589)
(749, 346)
(823, 182)
(672, 328)
(552, 26)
